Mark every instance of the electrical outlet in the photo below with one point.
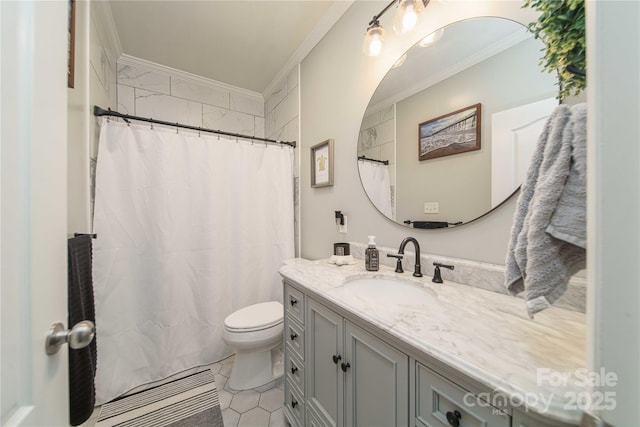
(431, 208)
(343, 228)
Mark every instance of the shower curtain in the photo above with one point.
(376, 183)
(189, 229)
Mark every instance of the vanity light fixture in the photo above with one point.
(405, 19)
(407, 15)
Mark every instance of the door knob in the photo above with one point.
(78, 337)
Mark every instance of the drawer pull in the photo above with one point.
(294, 369)
(345, 366)
(454, 418)
(294, 404)
(336, 358)
(293, 301)
(293, 336)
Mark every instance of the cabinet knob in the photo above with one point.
(293, 336)
(294, 403)
(293, 301)
(345, 366)
(454, 418)
(294, 369)
(336, 358)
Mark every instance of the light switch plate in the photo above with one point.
(431, 208)
(343, 228)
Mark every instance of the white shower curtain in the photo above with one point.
(376, 183)
(189, 229)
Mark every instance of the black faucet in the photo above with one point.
(437, 277)
(417, 268)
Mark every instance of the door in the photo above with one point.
(33, 232)
(324, 381)
(377, 381)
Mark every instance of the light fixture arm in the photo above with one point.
(375, 19)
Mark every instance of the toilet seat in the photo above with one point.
(255, 317)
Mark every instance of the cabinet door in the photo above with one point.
(377, 381)
(324, 383)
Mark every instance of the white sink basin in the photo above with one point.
(390, 290)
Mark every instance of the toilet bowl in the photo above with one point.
(255, 333)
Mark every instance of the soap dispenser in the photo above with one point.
(371, 255)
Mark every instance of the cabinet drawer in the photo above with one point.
(293, 405)
(294, 370)
(294, 303)
(294, 337)
(438, 398)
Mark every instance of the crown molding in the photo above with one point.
(333, 14)
(125, 59)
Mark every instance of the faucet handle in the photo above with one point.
(398, 262)
(437, 278)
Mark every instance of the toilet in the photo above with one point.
(255, 334)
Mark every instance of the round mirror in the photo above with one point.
(448, 133)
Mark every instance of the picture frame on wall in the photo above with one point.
(453, 133)
(71, 44)
(322, 164)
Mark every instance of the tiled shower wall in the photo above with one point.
(146, 91)
(282, 108)
(150, 93)
(377, 141)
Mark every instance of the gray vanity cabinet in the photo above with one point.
(352, 377)
(324, 377)
(376, 383)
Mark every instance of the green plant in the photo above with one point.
(561, 26)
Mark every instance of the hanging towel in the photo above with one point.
(550, 213)
(82, 362)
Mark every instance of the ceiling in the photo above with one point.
(240, 43)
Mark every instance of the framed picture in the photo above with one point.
(322, 164)
(71, 44)
(453, 133)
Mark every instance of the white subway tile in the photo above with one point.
(144, 79)
(259, 127)
(275, 98)
(168, 108)
(126, 100)
(200, 93)
(247, 104)
(292, 79)
(287, 109)
(370, 120)
(227, 120)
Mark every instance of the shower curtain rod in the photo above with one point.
(98, 112)
(384, 162)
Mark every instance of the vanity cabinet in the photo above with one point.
(339, 374)
(352, 377)
(440, 402)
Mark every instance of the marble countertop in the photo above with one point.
(484, 335)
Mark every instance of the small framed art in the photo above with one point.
(322, 164)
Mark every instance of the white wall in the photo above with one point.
(337, 81)
(97, 47)
(613, 198)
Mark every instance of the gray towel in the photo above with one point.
(552, 197)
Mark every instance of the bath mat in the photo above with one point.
(186, 402)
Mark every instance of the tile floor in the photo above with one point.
(260, 407)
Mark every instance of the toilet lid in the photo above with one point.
(254, 317)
